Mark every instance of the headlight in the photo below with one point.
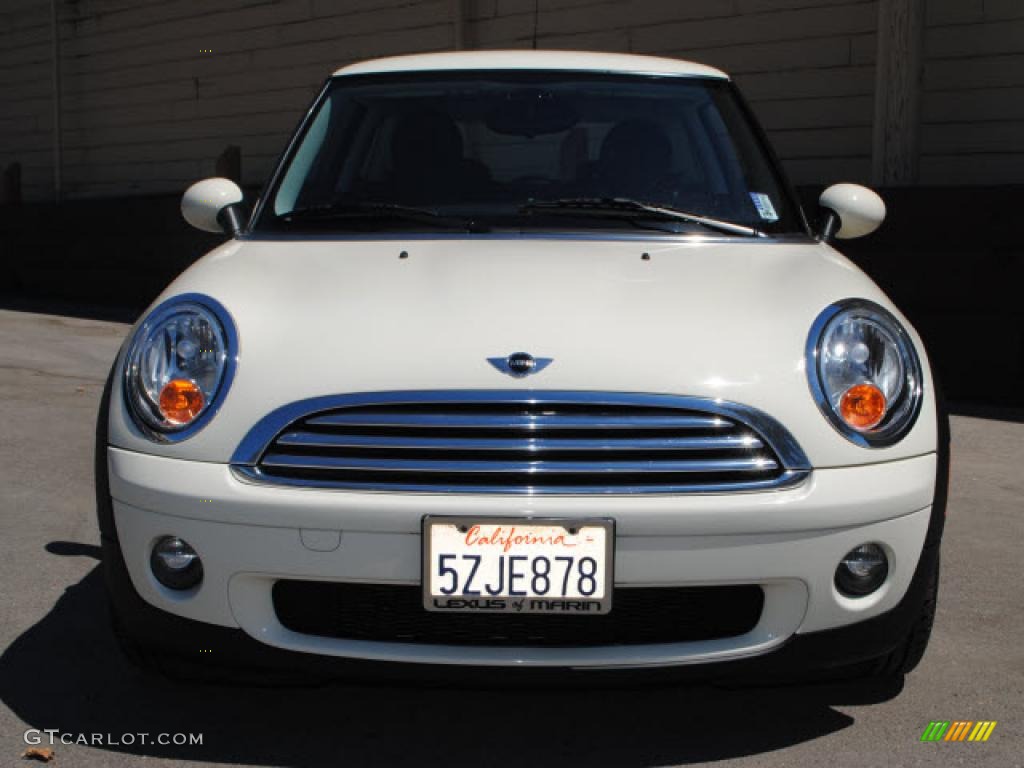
(179, 366)
(864, 372)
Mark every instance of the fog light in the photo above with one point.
(862, 570)
(175, 564)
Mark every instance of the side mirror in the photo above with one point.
(214, 205)
(854, 211)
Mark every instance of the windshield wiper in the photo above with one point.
(625, 207)
(343, 211)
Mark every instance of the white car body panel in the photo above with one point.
(786, 541)
(570, 61)
(326, 317)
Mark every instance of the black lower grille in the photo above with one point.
(639, 616)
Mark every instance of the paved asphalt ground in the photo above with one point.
(60, 668)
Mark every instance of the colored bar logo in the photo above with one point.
(958, 730)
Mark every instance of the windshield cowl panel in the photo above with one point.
(479, 152)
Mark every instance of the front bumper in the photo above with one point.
(788, 542)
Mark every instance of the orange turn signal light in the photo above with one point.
(181, 401)
(862, 406)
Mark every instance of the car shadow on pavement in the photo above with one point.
(67, 673)
(41, 305)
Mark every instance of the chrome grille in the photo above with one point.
(521, 442)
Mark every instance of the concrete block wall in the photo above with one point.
(973, 112)
(153, 90)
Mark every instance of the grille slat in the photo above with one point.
(540, 467)
(525, 442)
(513, 421)
(530, 444)
(395, 614)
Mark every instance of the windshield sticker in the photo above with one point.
(764, 206)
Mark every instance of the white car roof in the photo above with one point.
(576, 61)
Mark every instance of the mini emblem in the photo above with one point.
(520, 364)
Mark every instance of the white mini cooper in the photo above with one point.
(524, 359)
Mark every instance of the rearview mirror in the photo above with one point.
(854, 211)
(531, 112)
(214, 205)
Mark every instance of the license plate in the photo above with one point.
(489, 565)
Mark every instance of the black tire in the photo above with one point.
(114, 570)
(905, 657)
(137, 654)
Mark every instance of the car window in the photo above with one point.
(487, 145)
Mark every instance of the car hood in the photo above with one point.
(725, 319)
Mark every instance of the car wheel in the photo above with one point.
(909, 653)
(114, 571)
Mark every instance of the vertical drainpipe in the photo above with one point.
(57, 146)
(459, 24)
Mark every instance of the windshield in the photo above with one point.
(528, 151)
